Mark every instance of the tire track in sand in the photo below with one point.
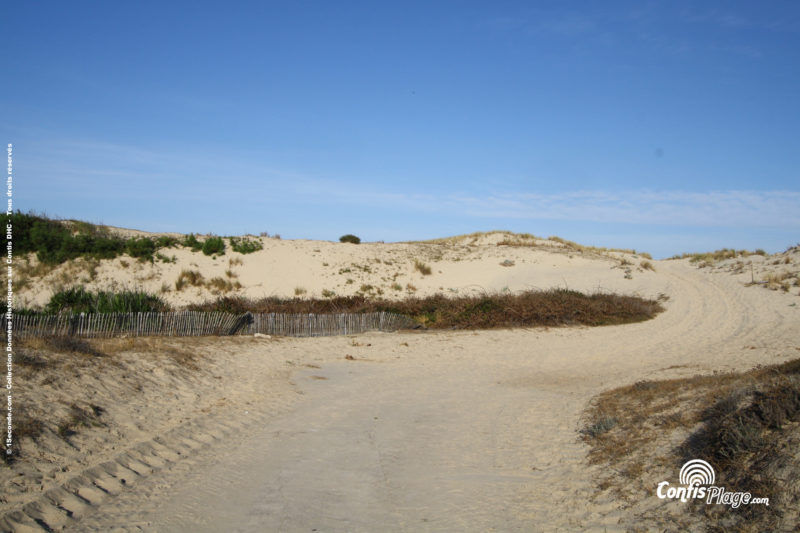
(458, 432)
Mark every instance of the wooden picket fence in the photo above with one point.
(197, 323)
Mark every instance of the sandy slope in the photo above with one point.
(460, 265)
(458, 431)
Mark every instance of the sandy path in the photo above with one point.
(453, 432)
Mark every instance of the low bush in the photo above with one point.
(214, 246)
(244, 245)
(350, 238)
(190, 241)
(554, 307)
(141, 247)
(55, 242)
(80, 300)
(165, 241)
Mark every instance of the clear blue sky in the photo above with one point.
(662, 126)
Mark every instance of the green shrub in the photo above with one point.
(213, 246)
(53, 242)
(245, 246)
(350, 238)
(166, 259)
(191, 242)
(165, 241)
(141, 247)
(79, 300)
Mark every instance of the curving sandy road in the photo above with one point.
(448, 431)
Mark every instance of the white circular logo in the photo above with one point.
(696, 472)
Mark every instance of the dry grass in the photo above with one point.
(26, 427)
(781, 280)
(422, 268)
(517, 243)
(189, 278)
(217, 285)
(717, 255)
(80, 417)
(745, 424)
(458, 239)
(600, 250)
(555, 307)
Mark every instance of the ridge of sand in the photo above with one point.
(288, 268)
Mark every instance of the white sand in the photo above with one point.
(466, 265)
(446, 431)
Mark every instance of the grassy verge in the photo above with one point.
(555, 307)
(55, 242)
(745, 424)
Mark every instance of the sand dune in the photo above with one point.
(460, 265)
(447, 431)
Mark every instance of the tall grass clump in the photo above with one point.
(80, 300)
(423, 269)
(187, 278)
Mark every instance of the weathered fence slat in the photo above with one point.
(195, 323)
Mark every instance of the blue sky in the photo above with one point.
(660, 126)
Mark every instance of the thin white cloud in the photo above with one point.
(107, 170)
(708, 209)
(724, 209)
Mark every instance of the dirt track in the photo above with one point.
(435, 432)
